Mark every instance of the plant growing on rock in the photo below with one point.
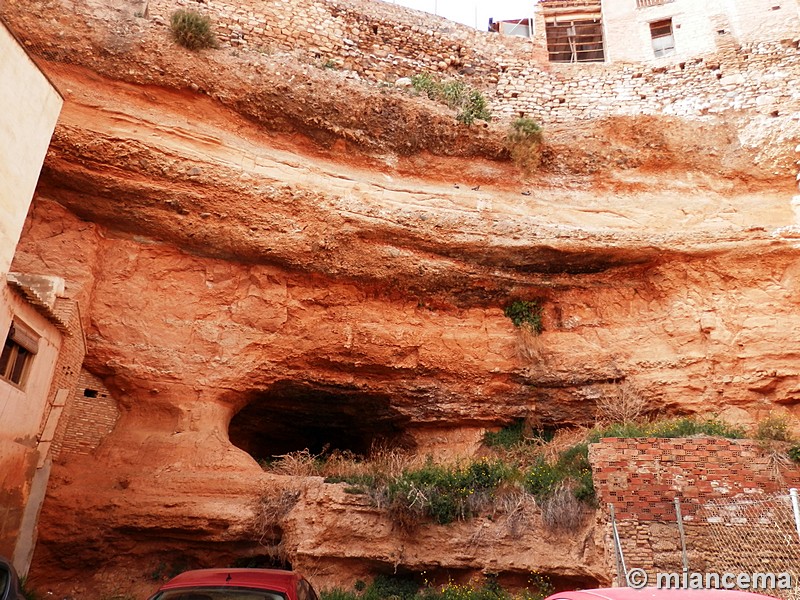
(192, 30)
(524, 142)
(459, 96)
(775, 427)
(525, 313)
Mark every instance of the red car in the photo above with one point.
(236, 584)
(655, 594)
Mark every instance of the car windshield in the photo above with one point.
(219, 593)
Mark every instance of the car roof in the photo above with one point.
(654, 594)
(267, 579)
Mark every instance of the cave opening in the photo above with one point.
(290, 416)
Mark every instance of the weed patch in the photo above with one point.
(525, 313)
(524, 143)
(671, 428)
(467, 101)
(192, 30)
(398, 588)
(775, 428)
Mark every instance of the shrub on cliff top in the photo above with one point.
(670, 428)
(192, 30)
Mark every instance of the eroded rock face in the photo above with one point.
(251, 287)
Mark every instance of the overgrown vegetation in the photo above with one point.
(669, 428)
(400, 588)
(524, 142)
(525, 313)
(523, 467)
(775, 427)
(192, 30)
(467, 101)
(445, 493)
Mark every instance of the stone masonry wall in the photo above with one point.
(756, 77)
(376, 40)
(380, 43)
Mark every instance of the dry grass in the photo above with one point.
(562, 511)
(269, 513)
(625, 405)
(383, 461)
(563, 440)
(298, 464)
(529, 345)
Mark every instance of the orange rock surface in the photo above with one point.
(342, 288)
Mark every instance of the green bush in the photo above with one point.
(468, 102)
(794, 453)
(192, 30)
(672, 428)
(571, 470)
(337, 594)
(400, 588)
(445, 493)
(525, 313)
(508, 437)
(472, 107)
(775, 427)
(397, 588)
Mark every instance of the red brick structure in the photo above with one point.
(642, 476)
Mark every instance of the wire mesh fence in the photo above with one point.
(751, 536)
(750, 543)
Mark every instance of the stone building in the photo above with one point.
(43, 345)
(668, 31)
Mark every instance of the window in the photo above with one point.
(575, 41)
(21, 345)
(663, 40)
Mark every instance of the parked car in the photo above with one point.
(9, 582)
(623, 593)
(236, 584)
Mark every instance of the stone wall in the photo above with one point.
(379, 42)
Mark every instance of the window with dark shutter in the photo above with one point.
(21, 345)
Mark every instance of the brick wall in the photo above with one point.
(92, 417)
(379, 42)
(642, 477)
(65, 377)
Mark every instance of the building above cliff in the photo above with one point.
(658, 30)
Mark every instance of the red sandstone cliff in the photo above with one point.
(252, 233)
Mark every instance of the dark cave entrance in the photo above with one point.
(290, 416)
